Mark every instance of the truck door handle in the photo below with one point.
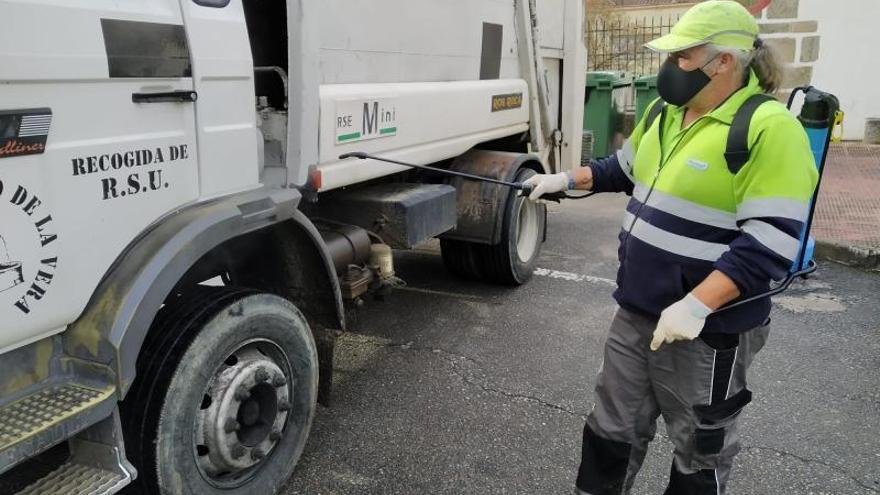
(185, 96)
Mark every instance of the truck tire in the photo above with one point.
(462, 259)
(512, 261)
(225, 395)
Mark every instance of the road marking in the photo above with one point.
(574, 277)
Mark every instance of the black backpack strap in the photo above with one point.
(655, 110)
(737, 152)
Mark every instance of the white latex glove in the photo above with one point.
(547, 183)
(683, 320)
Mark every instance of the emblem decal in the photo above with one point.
(698, 164)
(24, 132)
(10, 270)
(28, 248)
(506, 102)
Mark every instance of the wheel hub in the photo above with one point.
(247, 407)
(249, 413)
(527, 232)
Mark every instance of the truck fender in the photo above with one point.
(481, 205)
(120, 312)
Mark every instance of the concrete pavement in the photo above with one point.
(847, 222)
(464, 388)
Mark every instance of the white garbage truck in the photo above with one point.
(180, 241)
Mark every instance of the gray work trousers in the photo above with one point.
(699, 387)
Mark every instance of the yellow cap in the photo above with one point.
(722, 22)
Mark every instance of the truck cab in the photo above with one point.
(180, 241)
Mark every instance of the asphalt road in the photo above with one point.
(459, 387)
(464, 388)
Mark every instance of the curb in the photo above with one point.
(854, 256)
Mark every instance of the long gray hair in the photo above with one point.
(762, 60)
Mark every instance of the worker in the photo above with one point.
(696, 235)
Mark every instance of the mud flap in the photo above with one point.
(325, 342)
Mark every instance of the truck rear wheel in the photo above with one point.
(512, 261)
(225, 395)
(462, 258)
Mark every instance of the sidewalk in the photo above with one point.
(847, 221)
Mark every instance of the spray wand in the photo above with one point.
(526, 189)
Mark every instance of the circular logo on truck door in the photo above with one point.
(28, 254)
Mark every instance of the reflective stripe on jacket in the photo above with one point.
(689, 215)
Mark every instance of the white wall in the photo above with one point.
(848, 64)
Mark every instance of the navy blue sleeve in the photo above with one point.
(764, 251)
(609, 175)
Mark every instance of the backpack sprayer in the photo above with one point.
(820, 115)
(519, 186)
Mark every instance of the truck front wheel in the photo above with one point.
(225, 395)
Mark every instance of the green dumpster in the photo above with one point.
(646, 91)
(601, 115)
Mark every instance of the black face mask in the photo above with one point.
(678, 86)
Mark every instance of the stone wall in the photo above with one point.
(797, 41)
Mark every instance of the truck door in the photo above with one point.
(224, 79)
(97, 141)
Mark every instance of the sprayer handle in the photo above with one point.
(354, 154)
(528, 188)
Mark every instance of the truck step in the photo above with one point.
(31, 415)
(79, 479)
(52, 413)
